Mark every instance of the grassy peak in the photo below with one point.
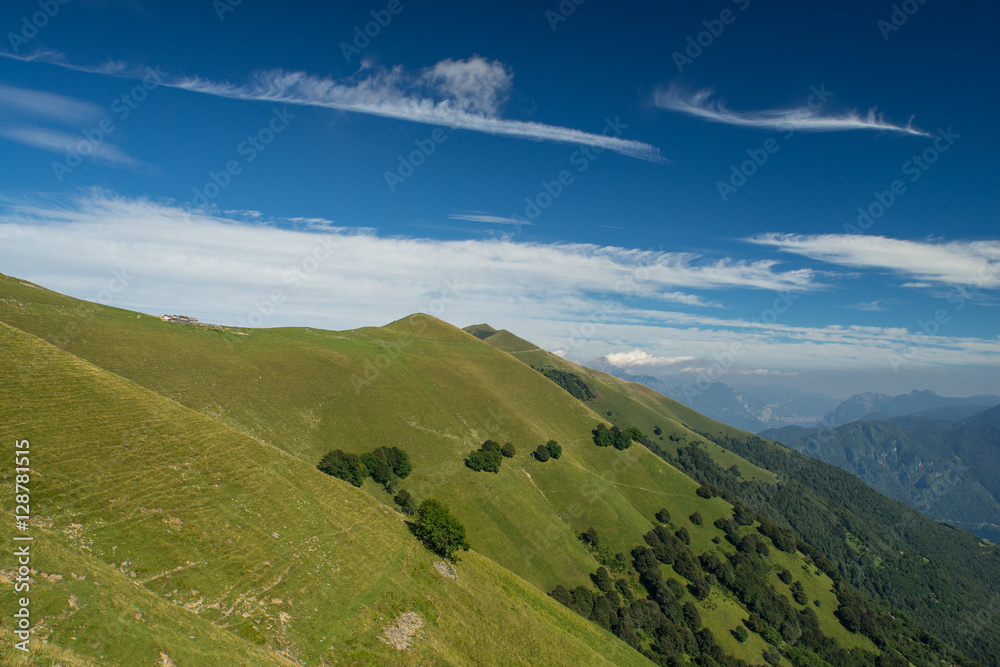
(480, 331)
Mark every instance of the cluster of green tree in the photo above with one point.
(439, 530)
(824, 506)
(615, 437)
(666, 631)
(489, 457)
(550, 450)
(571, 382)
(386, 465)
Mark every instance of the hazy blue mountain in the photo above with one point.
(749, 407)
(948, 468)
(861, 405)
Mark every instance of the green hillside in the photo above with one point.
(159, 531)
(183, 459)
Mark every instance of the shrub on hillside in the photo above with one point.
(406, 502)
(342, 465)
(555, 449)
(508, 451)
(615, 437)
(440, 532)
(482, 461)
(542, 453)
(696, 518)
(663, 516)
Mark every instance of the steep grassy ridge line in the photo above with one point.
(159, 530)
(417, 383)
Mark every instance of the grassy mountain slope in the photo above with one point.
(281, 398)
(417, 383)
(160, 531)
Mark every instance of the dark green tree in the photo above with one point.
(491, 446)
(482, 461)
(542, 453)
(342, 465)
(785, 576)
(440, 532)
(696, 518)
(691, 616)
(663, 516)
(508, 450)
(399, 461)
(555, 449)
(602, 579)
(740, 634)
(406, 502)
(590, 538)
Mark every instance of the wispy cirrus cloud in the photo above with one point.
(461, 94)
(934, 262)
(492, 219)
(42, 104)
(55, 141)
(27, 116)
(705, 104)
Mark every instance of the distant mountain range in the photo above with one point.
(939, 461)
(750, 408)
(860, 406)
(759, 408)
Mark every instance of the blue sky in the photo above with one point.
(678, 186)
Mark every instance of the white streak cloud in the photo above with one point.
(55, 141)
(705, 105)
(975, 263)
(460, 94)
(37, 103)
(492, 219)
